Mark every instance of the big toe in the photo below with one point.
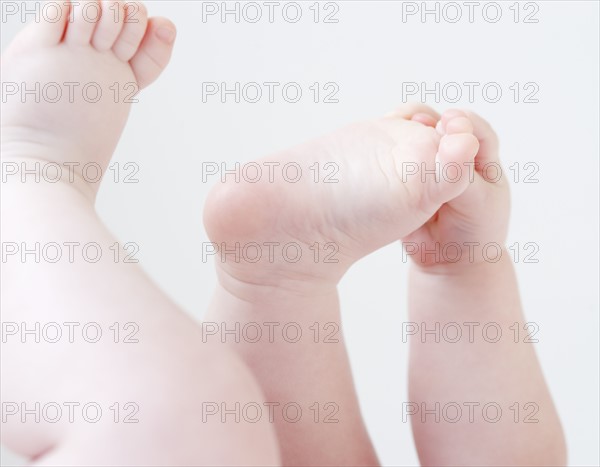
(47, 29)
(154, 52)
(455, 158)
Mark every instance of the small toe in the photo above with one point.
(424, 119)
(407, 111)
(155, 51)
(455, 151)
(459, 148)
(109, 26)
(459, 125)
(82, 22)
(449, 115)
(488, 140)
(134, 28)
(452, 113)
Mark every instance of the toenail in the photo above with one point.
(166, 35)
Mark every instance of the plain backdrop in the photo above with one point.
(369, 53)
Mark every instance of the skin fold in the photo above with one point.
(177, 371)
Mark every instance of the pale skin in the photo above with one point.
(174, 368)
(369, 207)
(169, 373)
(472, 291)
(481, 290)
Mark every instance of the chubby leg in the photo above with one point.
(98, 366)
(149, 362)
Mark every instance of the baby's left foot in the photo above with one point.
(67, 84)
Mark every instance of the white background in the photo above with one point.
(369, 53)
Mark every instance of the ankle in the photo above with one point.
(271, 288)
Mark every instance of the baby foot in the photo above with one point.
(294, 226)
(67, 84)
(473, 222)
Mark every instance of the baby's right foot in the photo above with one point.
(382, 187)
